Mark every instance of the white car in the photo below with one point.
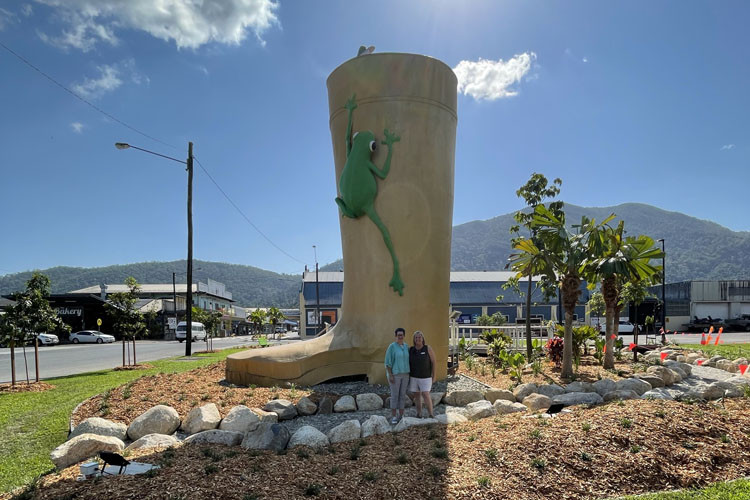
(48, 339)
(91, 336)
(622, 327)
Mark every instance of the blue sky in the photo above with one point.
(625, 101)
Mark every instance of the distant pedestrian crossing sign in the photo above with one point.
(99, 322)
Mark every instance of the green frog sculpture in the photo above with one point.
(358, 186)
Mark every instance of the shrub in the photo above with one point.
(313, 490)
(554, 350)
(483, 481)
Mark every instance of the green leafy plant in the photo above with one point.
(369, 476)
(483, 481)
(313, 490)
(539, 463)
(491, 454)
(470, 362)
(517, 361)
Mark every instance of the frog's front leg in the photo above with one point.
(344, 209)
(395, 283)
(390, 138)
(351, 105)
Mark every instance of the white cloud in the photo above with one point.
(110, 78)
(77, 127)
(726, 147)
(585, 59)
(27, 10)
(490, 80)
(6, 18)
(189, 23)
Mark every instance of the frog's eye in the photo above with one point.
(373, 146)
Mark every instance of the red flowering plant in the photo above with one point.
(554, 350)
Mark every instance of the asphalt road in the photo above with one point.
(71, 359)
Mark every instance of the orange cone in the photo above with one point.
(719, 336)
(703, 339)
(708, 340)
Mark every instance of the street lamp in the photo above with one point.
(663, 285)
(317, 291)
(189, 272)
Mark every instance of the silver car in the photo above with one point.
(48, 339)
(91, 336)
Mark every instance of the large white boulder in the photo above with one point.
(578, 398)
(344, 404)
(726, 365)
(376, 424)
(604, 386)
(652, 379)
(369, 401)
(664, 373)
(705, 392)
(503, 407)
(684, 367)
(550, 390)
(494, 394)
(633, 384)
(658, 393)
(100, 427)
(462, 398)
(622, 394)
(580, 387)
(307, 435)
(203, 418)
(407, 422)
(305, 406)
(82, 447)
(160, 419)
(537, 402)
(266, 416)
(691, 357)
(268, 436)
(436, 398)
(479, 409)
(153, 441)
(240, 419)
(215, 436)
(524, 390)
(284, 408)
(451, 418)
(731, 390)
(346, 431)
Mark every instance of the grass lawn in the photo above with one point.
(32, 424)
(729, 351)
(730, 490)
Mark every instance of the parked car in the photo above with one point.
(622, 327)
(48, 339)
(199, 331)
(91, 336)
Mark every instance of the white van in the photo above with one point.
(199, 331)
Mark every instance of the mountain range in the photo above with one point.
(696, 250)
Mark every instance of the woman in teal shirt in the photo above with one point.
(397, 367)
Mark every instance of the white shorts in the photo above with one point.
(420, 384)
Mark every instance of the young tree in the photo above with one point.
(128, 320)
(33, 314)
(211, 321)
(597, 306)
(634, 292)
(258, 319)
(534, 192)
(275, 316)
(11, 335)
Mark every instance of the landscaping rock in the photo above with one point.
(268, 436)
(160, 419)
(681, 365)
(325, 406)
(369, 401)
(726, 365)
(266, 416)
(579, 398)
(691, 357)
(451, 418)
(345, 403)
(503, 407)
(376, 424)
(284, 408)
(622, 394)
(493, 395)
(537, 402)
(479, 409)
(203, 418)
(524, 390)
(153, 441)
(407, 422)
(307, 435)
(658, 393)
(82, 447)
(604, 386)
(739, 381)
(705, 392)
(100, 427)
(679, 371)
(436, 398)
(460, 410)
(240, 419)
(633, 384)
(462, 398)
(550, 390)
(347, 431)
(408, 403)
(664, 373)
(653, 380)
(730, 390)
(740, 361)
(215, 436)
(580, 387)
(306, 407)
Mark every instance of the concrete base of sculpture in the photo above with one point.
(415, 97)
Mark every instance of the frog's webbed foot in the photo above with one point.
(344, 209)
(390, 138)
(397, 284)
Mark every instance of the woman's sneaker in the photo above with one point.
(394, 420)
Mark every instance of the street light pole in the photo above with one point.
(317, 291)
(663, 286)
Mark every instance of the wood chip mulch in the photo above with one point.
(615, 449)
(24, 387)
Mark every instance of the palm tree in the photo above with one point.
(615, 260)
(275, 316)
(258, 319)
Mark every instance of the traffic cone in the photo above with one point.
(703, 339)
(708, 340)
(719, 336)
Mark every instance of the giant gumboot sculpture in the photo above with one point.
(396, 221)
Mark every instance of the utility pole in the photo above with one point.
(189, 299)
(317, 291)
(663, 286)
(174, 300)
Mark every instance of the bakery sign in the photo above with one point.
(69, 311)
